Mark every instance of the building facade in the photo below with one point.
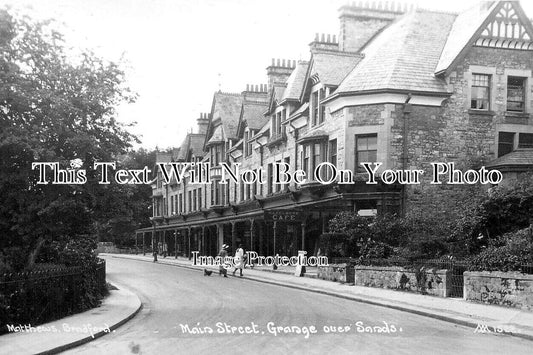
(403, 87)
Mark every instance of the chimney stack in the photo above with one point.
(203, 122)
(324, 42)
(359, 22)
(255, 92)
(279, 71)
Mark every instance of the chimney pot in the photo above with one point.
(283, 63)
(273, 62)
(316, 37)
(278, 62)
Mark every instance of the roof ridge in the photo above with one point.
(336, 52)
(228, 93)
(436, 11)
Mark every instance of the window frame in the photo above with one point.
(524, 94)
(358, 168)
(489, 91)
(505, 143)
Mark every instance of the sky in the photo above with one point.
(177, 53)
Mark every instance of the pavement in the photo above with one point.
(50, 338)
(187, 312)
(122, 305)
(484, 318)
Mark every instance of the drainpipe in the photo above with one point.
(406, 112)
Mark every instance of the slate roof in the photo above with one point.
(227, 107)
(313, 136)
(252, 114)
(279, 90)
(464, 26)
(192, 143)
(295, 82)
(332, 67)
(300, 111)
(184, 149)
(217, 137)
(519, 157)
(404, 55)
(196, 144)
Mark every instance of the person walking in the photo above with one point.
(165, 249)
(238, 260)
(223, 253)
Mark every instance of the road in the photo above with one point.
(174, 298)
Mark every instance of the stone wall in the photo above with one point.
(511, 289)
(336, 272)
(436, 283)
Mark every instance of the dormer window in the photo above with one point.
(317, 110)
(277, 129)
(217, 154)
(247, 142)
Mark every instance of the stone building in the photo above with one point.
(401, 86)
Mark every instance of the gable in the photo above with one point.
(500, 24)
(508, 28)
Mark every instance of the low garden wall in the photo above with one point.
(512, 289)
(337, 272)
(429, 281)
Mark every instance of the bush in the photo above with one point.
(334, 245)
(375, 250)
(509, 253)
(78, 251)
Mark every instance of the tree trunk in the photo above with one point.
(34, 253)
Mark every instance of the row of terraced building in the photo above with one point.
(404, 87)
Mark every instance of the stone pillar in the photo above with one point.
(175, 243)
(274, 237)
(153, 238)
(233, 237)
(220, 235)
(189, 236)
(252, 234)
(203, 250)
(303, 235)
(260, 232)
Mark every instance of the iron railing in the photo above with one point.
(36, 297)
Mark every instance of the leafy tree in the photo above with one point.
(124, 208)
(56, 105)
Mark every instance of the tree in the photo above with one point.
(124, 208)
(56, 105)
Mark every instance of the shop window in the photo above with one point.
(525, 140)
(505, 143)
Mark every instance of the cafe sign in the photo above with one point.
(283, 216)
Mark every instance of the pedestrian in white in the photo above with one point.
(238, 260)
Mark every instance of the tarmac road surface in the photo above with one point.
(185, 312)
